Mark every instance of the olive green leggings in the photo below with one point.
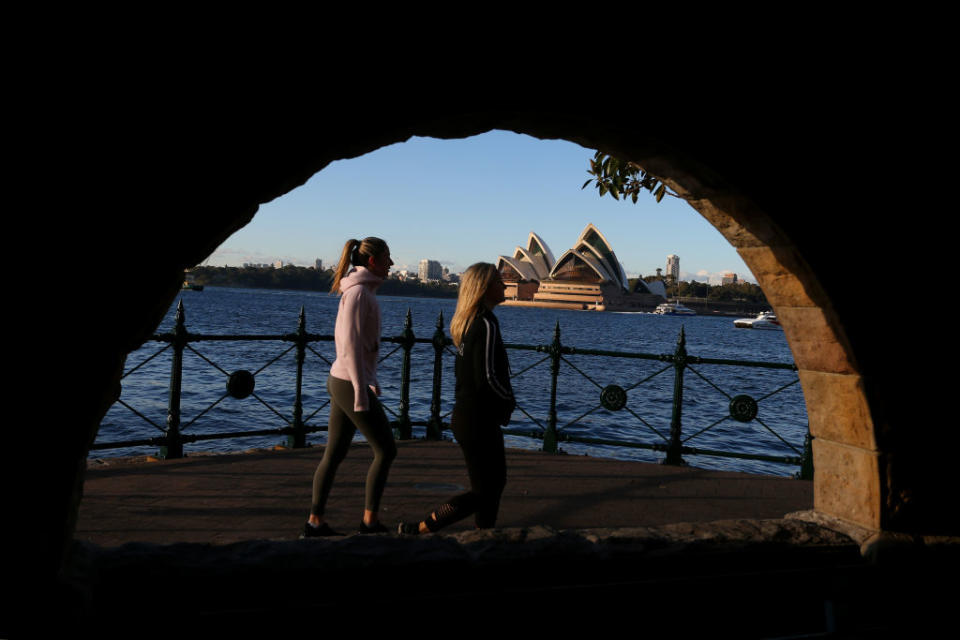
(344, 422)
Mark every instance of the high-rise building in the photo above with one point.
(318, 264)
(430, 270)
(673, 267)
(728, 278)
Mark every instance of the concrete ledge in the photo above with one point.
(768, 578)
(333, 576)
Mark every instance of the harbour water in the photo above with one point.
(780, 430)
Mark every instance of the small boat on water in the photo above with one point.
(190, 284)
(764, 320)
(673, 309)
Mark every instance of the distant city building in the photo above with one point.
(673, 267)
(278, 264)
(729, 278)
(318, 264)
(430, 270)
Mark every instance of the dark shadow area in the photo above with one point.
(772, 579)
(169, 190)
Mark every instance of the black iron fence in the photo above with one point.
(672, 441)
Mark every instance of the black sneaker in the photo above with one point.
(376, 528)
(408, 528)
(324, 530)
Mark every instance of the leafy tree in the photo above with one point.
(306, 279)
(618, 177)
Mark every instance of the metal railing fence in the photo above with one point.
(671, 441)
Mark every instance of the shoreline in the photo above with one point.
(706, 308)
(708, 312)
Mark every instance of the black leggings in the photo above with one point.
(344, 422)
(481, 442)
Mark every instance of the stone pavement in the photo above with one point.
(228, 498)
(580, 542)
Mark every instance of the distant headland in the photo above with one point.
(308, 279)
(742, 298)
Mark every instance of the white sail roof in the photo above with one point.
(525, 269)
(602, 248)
(655, 287)
(592, 249)
(536, 262)
(585, 258)
(537, 247)
(588, 249)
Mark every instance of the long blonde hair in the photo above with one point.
(355, 254)
(473, 287)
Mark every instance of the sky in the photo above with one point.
(472, 200)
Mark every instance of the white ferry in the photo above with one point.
(189, 284)
(764, 320)
(674, 309)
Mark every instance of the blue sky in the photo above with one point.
(471, 200)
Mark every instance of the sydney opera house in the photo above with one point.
(587, 276)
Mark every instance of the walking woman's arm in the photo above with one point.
(354, 335)
(490, 370)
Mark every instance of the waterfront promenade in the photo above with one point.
(692, 552)
(228, 498)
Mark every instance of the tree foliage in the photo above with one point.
(618, 178)
(737, 292)
(307, 279)
(287, 277)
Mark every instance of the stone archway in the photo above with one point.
(846, 457)
(847, 482)
(738, 178)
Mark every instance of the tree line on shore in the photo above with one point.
(307, 279)
(735, 292)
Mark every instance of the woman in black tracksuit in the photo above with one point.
(484, 402)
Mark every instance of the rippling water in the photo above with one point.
(223, 311)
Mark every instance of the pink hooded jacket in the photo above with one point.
(357, 334)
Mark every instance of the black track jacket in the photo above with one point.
(483, 372)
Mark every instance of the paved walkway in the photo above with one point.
(266, 494)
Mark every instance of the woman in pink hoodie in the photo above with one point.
(353, 385)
